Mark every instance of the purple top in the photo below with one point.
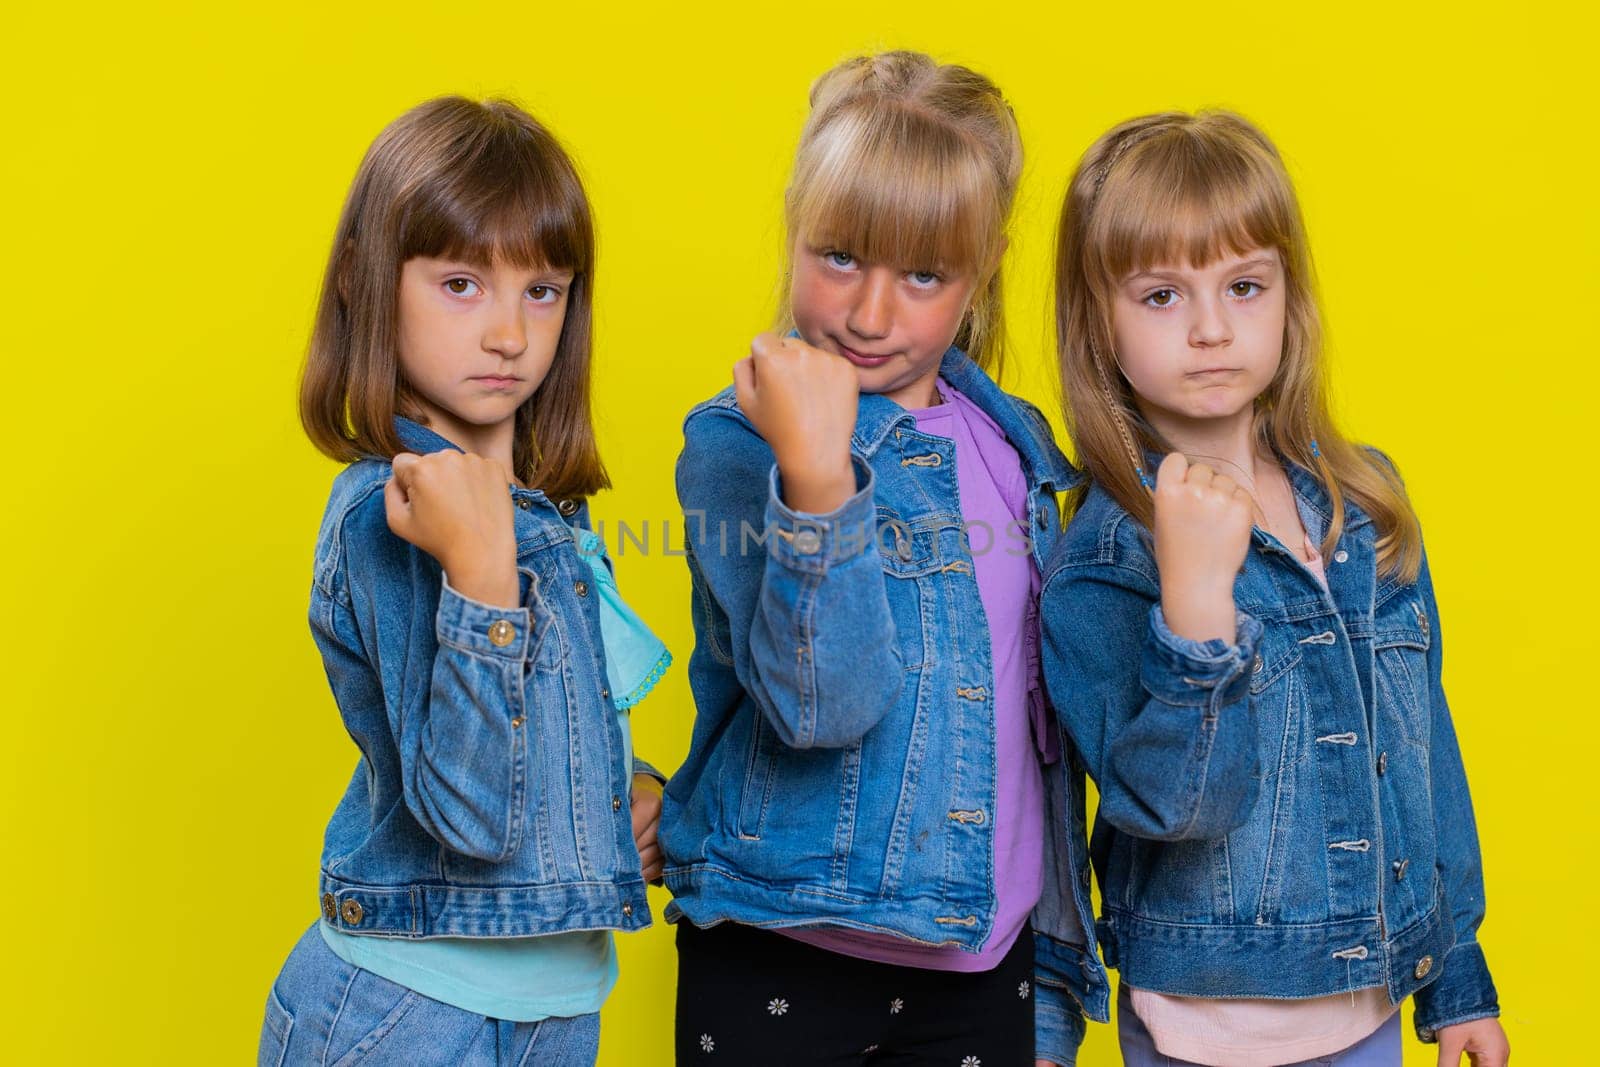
(994, 494)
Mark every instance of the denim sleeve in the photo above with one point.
(1058, 1019)
(1163, 723)
(452, 684)
(647, 769)
(1464, 990)
(807, 614)
(1058, 1025)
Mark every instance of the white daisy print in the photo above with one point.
(895, 1005)
(706, 1044)
(972, 1061)
(777, 1006)
(1022, 989)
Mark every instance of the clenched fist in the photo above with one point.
(456, 507)
(1202, 532)
(802, 400)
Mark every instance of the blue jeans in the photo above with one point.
(1381, 1048)
(323, 1011)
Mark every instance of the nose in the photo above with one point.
(506, 333)
(872, 312)
(1210, 326)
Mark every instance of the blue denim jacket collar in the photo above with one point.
(877, 416)
(1033, 440)
(420, 439)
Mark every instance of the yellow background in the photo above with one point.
(172, 178)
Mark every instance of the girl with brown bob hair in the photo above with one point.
(454, 179)
(497, 828)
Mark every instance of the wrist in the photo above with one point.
(488, 582)
(1199, 611)
(817, 489)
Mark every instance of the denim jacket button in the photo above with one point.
(1383, 763)
(807, 543)
(330, 911)
(568, 508)
(581, 587)
(1400, 869)
(501, 633)
(522, 502)
(627, 909)
(350, 911)
(616, 803)
(1044, 516)
(1255, 664)
(1341, 556)
(1424, 965)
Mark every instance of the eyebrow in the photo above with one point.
(1255, 263)
(449, 263)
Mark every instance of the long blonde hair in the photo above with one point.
(1176, 187)
(470, 181)
(910, 162)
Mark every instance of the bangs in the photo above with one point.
(507, 198)
(890, 185)
(1180, 199)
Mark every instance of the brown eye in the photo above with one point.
(543, 294)
(1244, 289)
(1162, 298)
(460, 286)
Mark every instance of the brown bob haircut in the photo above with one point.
(477, 182)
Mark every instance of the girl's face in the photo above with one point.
(1200, 343)
(476, 342)
(893, 324)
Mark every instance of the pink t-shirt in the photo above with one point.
(994, 493)
(1255, 1032)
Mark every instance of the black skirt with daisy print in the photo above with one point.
(751, 997)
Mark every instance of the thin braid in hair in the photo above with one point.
(1116, 416)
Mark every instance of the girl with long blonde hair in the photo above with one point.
(1242, 639)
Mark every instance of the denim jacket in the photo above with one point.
(1286, 815)
(491, 799)
(842, 763)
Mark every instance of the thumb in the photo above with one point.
(396, 509)
(1172, 469)
(766, 343)
(403, 464)
(744, 383)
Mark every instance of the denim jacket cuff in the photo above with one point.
(1464, 991)
(648, 769)
(802, 541)
(482, 629)
(1189, 673)
(1058, 1025)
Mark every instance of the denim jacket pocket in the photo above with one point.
(760, 770)
(915, 552)
(275, 1031)
(1274, 688)
(916, 548)
(544, 645)
(1402, 636)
